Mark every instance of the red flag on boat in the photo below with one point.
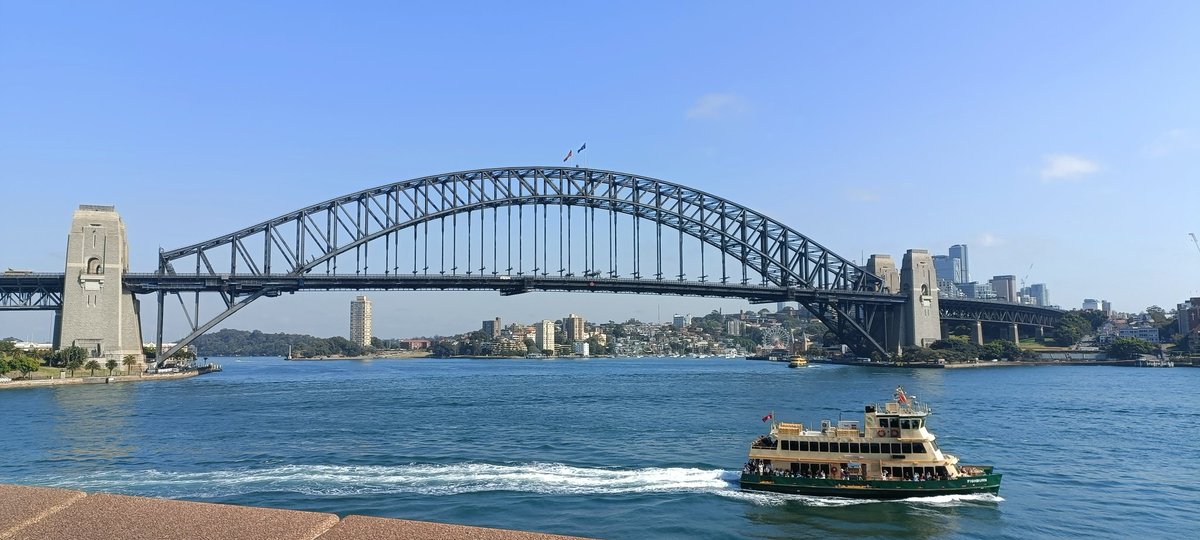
(768, 416)
(900, 395)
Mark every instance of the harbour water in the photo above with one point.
(618, 448)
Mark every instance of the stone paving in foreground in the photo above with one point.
(49, 513)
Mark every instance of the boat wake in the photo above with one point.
(421, 479)
(434, 480)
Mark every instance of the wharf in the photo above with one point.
(49, 513)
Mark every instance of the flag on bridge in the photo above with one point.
(581, 148)
(569, 154)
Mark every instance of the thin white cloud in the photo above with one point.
(716, 105)
(1175, 141)
(1067, 167)
(988, 239)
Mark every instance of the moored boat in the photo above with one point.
(891, 454)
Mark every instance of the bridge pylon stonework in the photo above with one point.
(98, 313)
(922, 316)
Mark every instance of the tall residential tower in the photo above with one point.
(360, 321)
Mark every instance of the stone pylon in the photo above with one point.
(922, 316)
(98, 314)
(889, 329)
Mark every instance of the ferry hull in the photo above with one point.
(871, 489)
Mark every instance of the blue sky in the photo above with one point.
(1062, 135)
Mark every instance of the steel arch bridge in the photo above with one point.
(520, 229)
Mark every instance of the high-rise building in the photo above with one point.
(680, 321)
(360, 321)
(1091, 303)
(982, 291)
(545, 335)
(1106, 307)
(573, 326)
(1005, 287)
(948, 268)
(959, 251)
(492, 328)
(1040, 294)
(734, 327)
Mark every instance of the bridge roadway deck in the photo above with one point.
(505, 284)
(44, 290)
(50, 513)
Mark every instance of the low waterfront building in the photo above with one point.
(1147, 333)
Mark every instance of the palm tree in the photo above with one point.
(74, 364)
(129, 361)
(92, 365)
(111, 364)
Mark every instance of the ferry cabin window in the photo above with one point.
(793, 445)
(904, 424)
(854, 448)
(874, 448)
(918, 448)
(895, 448)
(824, 446)
(906, 448)
(844, 448)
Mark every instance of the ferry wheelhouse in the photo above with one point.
(891, 454)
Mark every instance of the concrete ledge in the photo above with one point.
(22, 506)
(96, 380)
(36, 513)
(363, 527)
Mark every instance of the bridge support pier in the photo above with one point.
(1016, 333)
(98, 314)
(979, 332)
(890, 330)
(922, 317)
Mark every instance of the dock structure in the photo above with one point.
(49, 513)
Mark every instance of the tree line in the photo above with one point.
(230, 342)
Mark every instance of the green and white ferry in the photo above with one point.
(891, 454)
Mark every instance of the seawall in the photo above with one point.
(98, 380)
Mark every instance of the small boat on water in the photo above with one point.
(891, 454)
(798, 361)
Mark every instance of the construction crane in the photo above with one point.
(1194, 241)
(1026, 276)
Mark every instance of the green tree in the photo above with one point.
(111, 364)
(129, 361)
(26, 365)
(1157, 315)
(92, 365)
(6, 364)
(1074, 325)
(1125, 348)
(71, 354)
(73, 364)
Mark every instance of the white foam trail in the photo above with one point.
(424, 479)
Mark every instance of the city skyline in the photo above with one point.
(856, 132)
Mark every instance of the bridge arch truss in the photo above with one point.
(545, 225)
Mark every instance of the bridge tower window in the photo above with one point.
(94, 266)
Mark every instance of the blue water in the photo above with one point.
(639, 448)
